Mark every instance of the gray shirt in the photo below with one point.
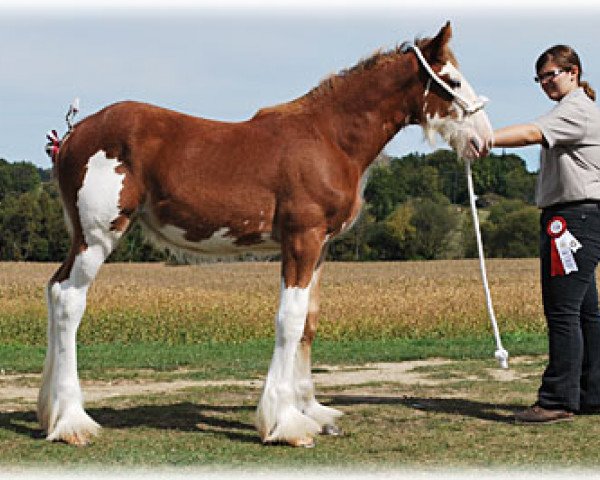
(570, 157)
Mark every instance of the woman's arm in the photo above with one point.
(518, 136)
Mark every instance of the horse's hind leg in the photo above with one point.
(60, 402)
(97, 223)
(305, 389)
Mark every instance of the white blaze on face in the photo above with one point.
(460, 130)
(98, 199)
(464, 90)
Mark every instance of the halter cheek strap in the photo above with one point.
(468, 106)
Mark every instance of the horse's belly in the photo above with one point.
(221, 242)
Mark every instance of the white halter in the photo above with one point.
(468, 106)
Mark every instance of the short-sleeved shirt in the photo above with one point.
(570, 156)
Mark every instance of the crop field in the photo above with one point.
(172, 360)
(236, 302)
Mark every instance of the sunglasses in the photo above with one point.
(543, 77)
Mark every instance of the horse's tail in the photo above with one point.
(54, 141)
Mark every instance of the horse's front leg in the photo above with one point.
(305, 390)
(278, 416)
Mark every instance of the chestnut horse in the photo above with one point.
(287, 180)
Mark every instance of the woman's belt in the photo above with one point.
(589, 204)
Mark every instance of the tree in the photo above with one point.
(410, 212)
(451, 173)
(393, 238)
(52, 223)
(18, 223)
(433, 223)
(134, 247)
(353, 244)
(382, 191)
(520, 184)
(17, 178)
(512, 230)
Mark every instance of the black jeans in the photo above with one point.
(572, 377)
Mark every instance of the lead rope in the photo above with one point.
(501, 354)
(469, 108)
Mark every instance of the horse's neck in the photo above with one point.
(364, 110)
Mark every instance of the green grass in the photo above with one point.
(464, 421)
(371, 313)
(251, 358)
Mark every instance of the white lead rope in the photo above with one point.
(501, 354)
(470, 107)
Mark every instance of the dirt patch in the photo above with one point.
(18, 391)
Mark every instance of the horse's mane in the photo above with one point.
(331, 82)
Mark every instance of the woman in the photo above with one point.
(568, 192)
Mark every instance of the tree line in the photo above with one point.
(416, 207)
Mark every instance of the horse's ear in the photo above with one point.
(436, 47)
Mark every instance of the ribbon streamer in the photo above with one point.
(53, 145)
(562, 246)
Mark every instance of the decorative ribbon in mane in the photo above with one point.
(53, 145)
(54, 141)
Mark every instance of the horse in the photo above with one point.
(287, 180)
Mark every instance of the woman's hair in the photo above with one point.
(565, 57)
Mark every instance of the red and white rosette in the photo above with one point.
(562, 247)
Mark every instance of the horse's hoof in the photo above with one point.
(77, 440)
(332, 431)
(306, 442)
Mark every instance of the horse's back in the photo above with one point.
(193, 179)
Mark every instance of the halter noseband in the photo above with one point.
(469, 107)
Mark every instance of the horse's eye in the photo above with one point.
(454, 84)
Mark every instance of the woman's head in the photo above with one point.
(559, 72)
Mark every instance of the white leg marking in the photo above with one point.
(278, 418)
(305, 389)
(60, 402)
(43, 403)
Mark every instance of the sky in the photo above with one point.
(225, 59)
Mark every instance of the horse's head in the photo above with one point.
(453, 110)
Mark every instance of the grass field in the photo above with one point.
(155, 325)
(236, 302)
